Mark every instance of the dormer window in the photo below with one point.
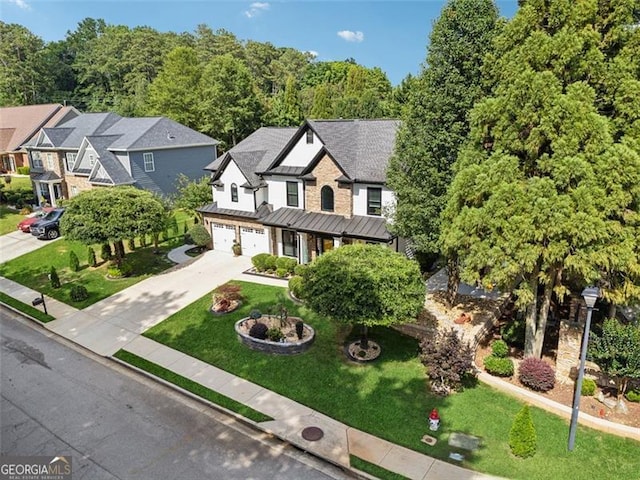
(234, 193)
(309, 137)
(326, 199)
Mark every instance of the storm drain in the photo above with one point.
(312, 434)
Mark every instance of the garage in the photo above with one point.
(253, 241)
(223, 237)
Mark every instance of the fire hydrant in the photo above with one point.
(434, 420)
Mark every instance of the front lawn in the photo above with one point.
(9, 218)
(389, 398)
(32, 270)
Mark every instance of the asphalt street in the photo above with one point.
(116, 424)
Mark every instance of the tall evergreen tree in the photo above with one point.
(436, 121)
(547, 190)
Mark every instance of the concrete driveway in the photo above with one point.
(17, 243)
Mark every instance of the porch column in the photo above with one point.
(304, 248)
(52, 194)
(337, 242)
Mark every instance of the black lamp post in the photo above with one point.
(590, 295)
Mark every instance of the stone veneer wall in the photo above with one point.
(570, 340)
(81, 183)
(326, 172)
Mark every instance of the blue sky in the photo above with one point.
(390, 34)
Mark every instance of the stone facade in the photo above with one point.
(570, 341)
(80, 183)
(326, 172)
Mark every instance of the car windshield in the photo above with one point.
(52, 215)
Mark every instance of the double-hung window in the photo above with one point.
(292, 194)
(149, 164)
(374, 201)
(234, 193)
(36, 160)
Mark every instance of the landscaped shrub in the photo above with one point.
(287, 264)
(447, 359)
(23, 170)
(255, 314)
(259, 331)
(26, 210)
(588, 387)
(299, 329)
(300, 269)
(295, 286)
(270, 262)
(199, 235)
(281, 272)
(275, 334)
(105, 252)
(74, 263)
(115, 271)
(54, 278)
(91, 257)
(499, 366)
(513, 332)
(633, 395)
(499, 349)
(536, 374)
(259, 261)
(229, 291)
(522, 437)
(78, 293)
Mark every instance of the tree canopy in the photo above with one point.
(104, 215)
(364, 284)
(192, 194)
(547, 188)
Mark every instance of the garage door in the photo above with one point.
(223, 236)
(253, 241)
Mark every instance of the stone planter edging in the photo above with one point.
(278, 348)
(558, 408)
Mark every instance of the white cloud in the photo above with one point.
(20, 3)
(350, 36)
(255, 9)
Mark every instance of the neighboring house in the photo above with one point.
(18, 125)
(299, 192)
(105, 150)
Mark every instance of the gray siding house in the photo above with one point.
(105, 149)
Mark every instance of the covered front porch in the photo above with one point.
(48, 188)
(307, 235)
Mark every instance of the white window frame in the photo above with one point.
(92, 160)
(149, 162)
(49, 157)
(70, 160)
(36, 160)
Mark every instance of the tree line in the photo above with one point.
(208, 80)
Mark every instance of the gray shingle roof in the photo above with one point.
(154, 132)
(361, 147)
(368, 228)
(256, 152)
(117, 173)
(70, 134)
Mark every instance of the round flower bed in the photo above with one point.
(225, 306)
(289, 343)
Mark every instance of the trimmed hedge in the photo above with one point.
(588, 387)
(499, 366)
(522, 437)
(295, 286)
(499, 349)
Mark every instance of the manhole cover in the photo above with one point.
(312, 434)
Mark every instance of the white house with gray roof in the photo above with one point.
(105, 149)
(299, 192)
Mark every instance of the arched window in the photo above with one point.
(326, 199)
(234, 192)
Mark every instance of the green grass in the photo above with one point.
(389, 398)
(18, 183)
(374, 470)
(25, 308)
(192, 386)
(32, 269)
(9, 218)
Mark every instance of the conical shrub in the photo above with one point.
(522, 438)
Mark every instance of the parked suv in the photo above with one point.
(49, 225)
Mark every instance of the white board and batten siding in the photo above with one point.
(254, 240)
(278, 192)
(302, 152)
(233, 175)
(224, 236)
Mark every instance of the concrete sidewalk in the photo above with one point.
(117, 323)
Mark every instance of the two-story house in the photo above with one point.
(18, 125)
(301, 192)
(105, 149)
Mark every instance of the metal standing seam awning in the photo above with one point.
(366, 228)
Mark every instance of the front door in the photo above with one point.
(323, 245)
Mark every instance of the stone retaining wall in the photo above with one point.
(276, 348)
